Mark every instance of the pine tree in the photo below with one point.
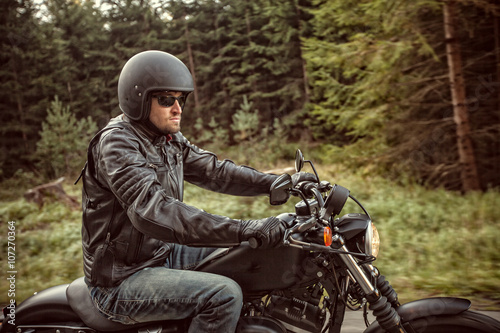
(245, 121)
(63, 141)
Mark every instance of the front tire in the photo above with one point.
(465, 322)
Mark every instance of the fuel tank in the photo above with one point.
(258, 271)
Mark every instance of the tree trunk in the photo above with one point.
(304, 69)
(249, 32)
(20, 111)
(497, 53)
(468, 168)
(191, 65)
(227, 99)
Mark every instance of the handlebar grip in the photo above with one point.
(254, 242)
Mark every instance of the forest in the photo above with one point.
(397, 100)
(403, 89)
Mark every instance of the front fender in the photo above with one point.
(426, 307)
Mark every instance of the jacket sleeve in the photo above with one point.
(125, 170)
(202, 168)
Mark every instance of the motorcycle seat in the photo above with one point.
(79, 299)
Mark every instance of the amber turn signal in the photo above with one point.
(327, 236)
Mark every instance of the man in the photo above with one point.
(139, 239)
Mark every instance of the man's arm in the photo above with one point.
(203, 169)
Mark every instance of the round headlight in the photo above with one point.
(375, 241)
(372, 240)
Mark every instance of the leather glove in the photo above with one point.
(302, 177)
(269, 232)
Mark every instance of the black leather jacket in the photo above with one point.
(132, 200)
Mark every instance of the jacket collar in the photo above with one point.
(153, 136)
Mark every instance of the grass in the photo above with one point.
(47, 246)
(433, 242)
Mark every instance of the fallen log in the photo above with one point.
(51, 191)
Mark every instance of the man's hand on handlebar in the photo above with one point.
(303, 177)
(263, 233)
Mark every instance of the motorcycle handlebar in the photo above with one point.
(307, 188)
(312, 189)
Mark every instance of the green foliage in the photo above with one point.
(269, 142)
(356, 73)
(245, 121)
(63, 141)
(48, 246)
(211, 133)
(14, 187)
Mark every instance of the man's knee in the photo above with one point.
(233, 290)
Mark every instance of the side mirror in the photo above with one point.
(299, 160)
(280, 190)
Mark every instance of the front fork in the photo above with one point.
(382, 297)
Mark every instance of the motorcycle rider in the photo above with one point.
(139, 239)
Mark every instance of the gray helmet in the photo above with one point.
(145, 73)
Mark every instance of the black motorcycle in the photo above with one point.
(324, 266)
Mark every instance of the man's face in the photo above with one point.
(166, 118)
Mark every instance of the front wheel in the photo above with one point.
(465, 322)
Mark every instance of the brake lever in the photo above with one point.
(307, 225)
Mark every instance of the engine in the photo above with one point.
(293, 313)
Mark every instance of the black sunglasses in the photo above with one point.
(168, 101)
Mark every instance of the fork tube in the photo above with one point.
(386, 315)
(357, 272)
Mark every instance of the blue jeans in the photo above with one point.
(173, 291)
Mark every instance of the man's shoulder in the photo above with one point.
(117, 123)
(117, 132)
(117, 126)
